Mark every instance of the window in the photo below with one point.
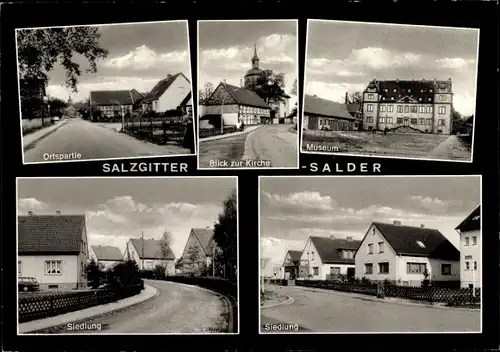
(475, 265)
(467, 241)
(428, 122)
(467, 266)
(409, 90)
(389, 119)
(441, 122)
(445, 269)
(407, 108)
(315, 271)
(19, 268)
(383, 268)
(312, 255)
(335, 270)
(415, 268)
(381, 247)
(382, 108)
(370, 96)
(370, 248)
(368, 268)
(413, 121)
(369, 119)
(474, 240)
(442, 97)
(381, 119)
(369, 107)
(428, 109)
(413, 108)
(399, 120)
(421, 109)
(442, 110)
(400, 108)
(421, 121)
(420, 244)
(53, 267)
(390, 108)
(347, 254)
(373, 231)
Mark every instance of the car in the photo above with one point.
(27, 284)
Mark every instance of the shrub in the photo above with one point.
(159, 272)
(94, 273)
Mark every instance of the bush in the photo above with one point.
(159, 272)
(94, 273)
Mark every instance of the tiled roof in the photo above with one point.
(323, 107)
(162, 86)
(242, 96)
(152, 249)
(418, 241)
(40, 234)
(206, 238)
(295, 255)
(111, 97)
(419, 91)
(187, 100)
(107, 253)
(353, 108)
(472, 221)
(330, 249)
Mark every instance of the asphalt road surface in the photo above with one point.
(331, 312)
(94, 142)
(274, 143)
(178, 308)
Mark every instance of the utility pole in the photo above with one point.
(142, 251)
(213, 261)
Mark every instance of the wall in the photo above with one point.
(34, 266)
(388, 256)
(174, 95)
(433, 267)
(473, 254)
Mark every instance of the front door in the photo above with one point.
(350, 273)
(406, 121)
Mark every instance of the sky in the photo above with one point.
(117, 209)
(294, 208)
(140, 55)
(225, 50)
(346, 56)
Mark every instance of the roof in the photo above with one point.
(40, 234)
(295, 255)
(254, 72)
(471, 222)
(111, 97)
(241, 96)
(152, 249)
(104, 253)
(329, 249)
(205, 236)
(323, 107)
(353, 108)
(187, 100)
(162, 86)
(410, 90)
(404, 240)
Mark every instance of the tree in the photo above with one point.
(293, 90)
(126, 272)
(40, 49)
(205, 93)
(159, 272)
(269, 86)
(94, 273)
(225, 235)
(165, 242)
(457, 122)
(356, 97)
(57, 106)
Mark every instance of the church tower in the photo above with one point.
(70, 101)
(254, 73)
(255, 58)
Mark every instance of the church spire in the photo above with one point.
(255, 58)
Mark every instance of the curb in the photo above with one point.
(208, 139)
(246, 155)
(34, 142)
(41, 331)
(288, 301)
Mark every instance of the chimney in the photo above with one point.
(346, 98)
(397, 222)
(422, 226)
(349, 238)
(241, 83)
(58, 212)
(30, 213)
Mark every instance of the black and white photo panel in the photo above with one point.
(247, 83)
(370, 254)
(390, 90)
(112, 91)
(127, 256)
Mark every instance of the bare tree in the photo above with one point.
(356, 97)
(165, 242)
(205, 93)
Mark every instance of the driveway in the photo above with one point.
(326, 311)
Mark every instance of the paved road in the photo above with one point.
(225, 149)
(274, 143)
(330, 312)
(94, 142)
(178, 308)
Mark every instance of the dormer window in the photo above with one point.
(420, 244)
(392, 98)
(394, 90)
(419, 99)
(430, 90)
(421, 90)
(409, 90)
(386, 90)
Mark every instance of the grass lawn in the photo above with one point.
(271, 297)
(230, 148)
(413, 145)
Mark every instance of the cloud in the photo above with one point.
(301, 199)
(276, 248)
(332, 91)
(144, 58)
(31, 204)
(455, 63)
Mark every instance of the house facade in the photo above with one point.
(109, 102)
(198, 252)
(470, 249)
(106, 256)
(150, 253)
(328, 258)
(402, 254)
(408, 106)
(323, 114)
(170, 93)
(291, 264)
(54, 250)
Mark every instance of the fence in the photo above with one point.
(210, 132)
(450, 296)
(157, 130)
(225, 287)
(281, 282)
(31, 307)
(368, 289)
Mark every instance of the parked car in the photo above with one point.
(27, 284)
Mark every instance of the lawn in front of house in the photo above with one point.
(377, 144)
(271, 297)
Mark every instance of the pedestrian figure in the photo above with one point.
(188, 140)
(385, 131)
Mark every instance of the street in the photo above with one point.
(178, 308)
(92, 141)
(324, 311)
(273, 143)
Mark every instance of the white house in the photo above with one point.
(199, 250)
(401, 254)
(328, 258)
(169, 93)
(149, 253)
(278, 272)
(107, 256)
(53, 250)
(470, 249)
